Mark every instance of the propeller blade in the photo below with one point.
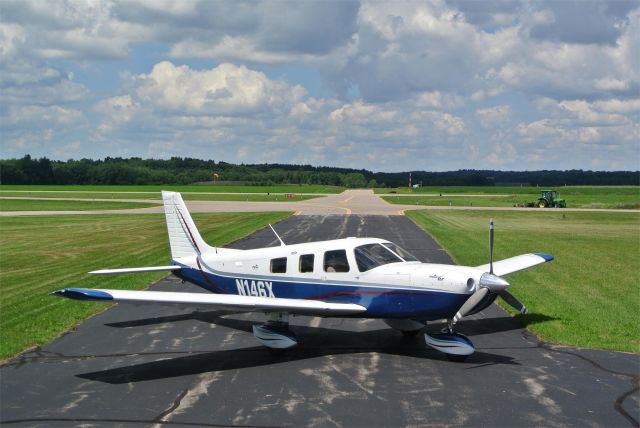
(511, 300)
(491, 246)
(470, 303)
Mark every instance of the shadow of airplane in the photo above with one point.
(314, 342)
(208, 317)
(469, 327)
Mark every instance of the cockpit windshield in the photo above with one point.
(407, 256)
(373, 255)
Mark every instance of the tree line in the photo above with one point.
(28, 170)
(177, 170)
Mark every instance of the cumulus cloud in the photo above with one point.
(492, 117)
(56, 115)
(583, 134)
(600, 23)
(102, 30)
(212, 109)
(73, 29)
(243, 115)
(438, 100)
(362, 114)
(225, 90)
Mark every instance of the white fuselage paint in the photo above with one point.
(250, 269)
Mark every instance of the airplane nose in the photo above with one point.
(493, 282)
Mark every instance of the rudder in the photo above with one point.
(184, 238)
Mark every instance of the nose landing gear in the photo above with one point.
(456, 346)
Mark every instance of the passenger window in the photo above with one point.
(336, 261)
(306, 263)
(279, 265)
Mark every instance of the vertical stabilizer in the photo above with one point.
(184, 238)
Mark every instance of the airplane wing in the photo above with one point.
(135, 270)
(514, 264)
(217, 301)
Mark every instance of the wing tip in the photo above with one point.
(546, 257)
(82, 294)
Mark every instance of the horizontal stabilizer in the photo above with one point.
(517, 263)
(134, 270)
(217, 301)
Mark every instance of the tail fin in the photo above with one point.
(184, 238)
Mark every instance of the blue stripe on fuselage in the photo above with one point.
(381, 302)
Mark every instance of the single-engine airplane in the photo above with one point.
(352, 277)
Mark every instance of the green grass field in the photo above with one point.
(587, 297)
(618, 197)
(42, 254)
(284, 188)
(251, 197)
(458, 201)
(54, 205)
(512, 190)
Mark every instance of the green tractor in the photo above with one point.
(548, 199)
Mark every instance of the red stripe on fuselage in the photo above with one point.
(360, 293)
(206, 277)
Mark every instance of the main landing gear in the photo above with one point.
(275, 333)
(409, 328)
(457, 346)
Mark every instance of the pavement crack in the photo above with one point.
(27, 357)
(174, 406)
(618, 403)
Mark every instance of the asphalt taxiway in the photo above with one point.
(154, 366)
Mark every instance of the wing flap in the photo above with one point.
(517, 263)
(135, 270)
(219, 301)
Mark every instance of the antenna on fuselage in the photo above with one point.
(282, 244)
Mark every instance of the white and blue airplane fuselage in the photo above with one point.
(401, 289)
(352, 277)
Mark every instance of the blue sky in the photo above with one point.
(386, 86)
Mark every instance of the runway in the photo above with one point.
(154, 366)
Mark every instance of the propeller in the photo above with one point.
(515, 303)
(489, 282)
(470, 303)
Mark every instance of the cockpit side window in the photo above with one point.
(373, 255)
(407, 256)
(336, 261)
